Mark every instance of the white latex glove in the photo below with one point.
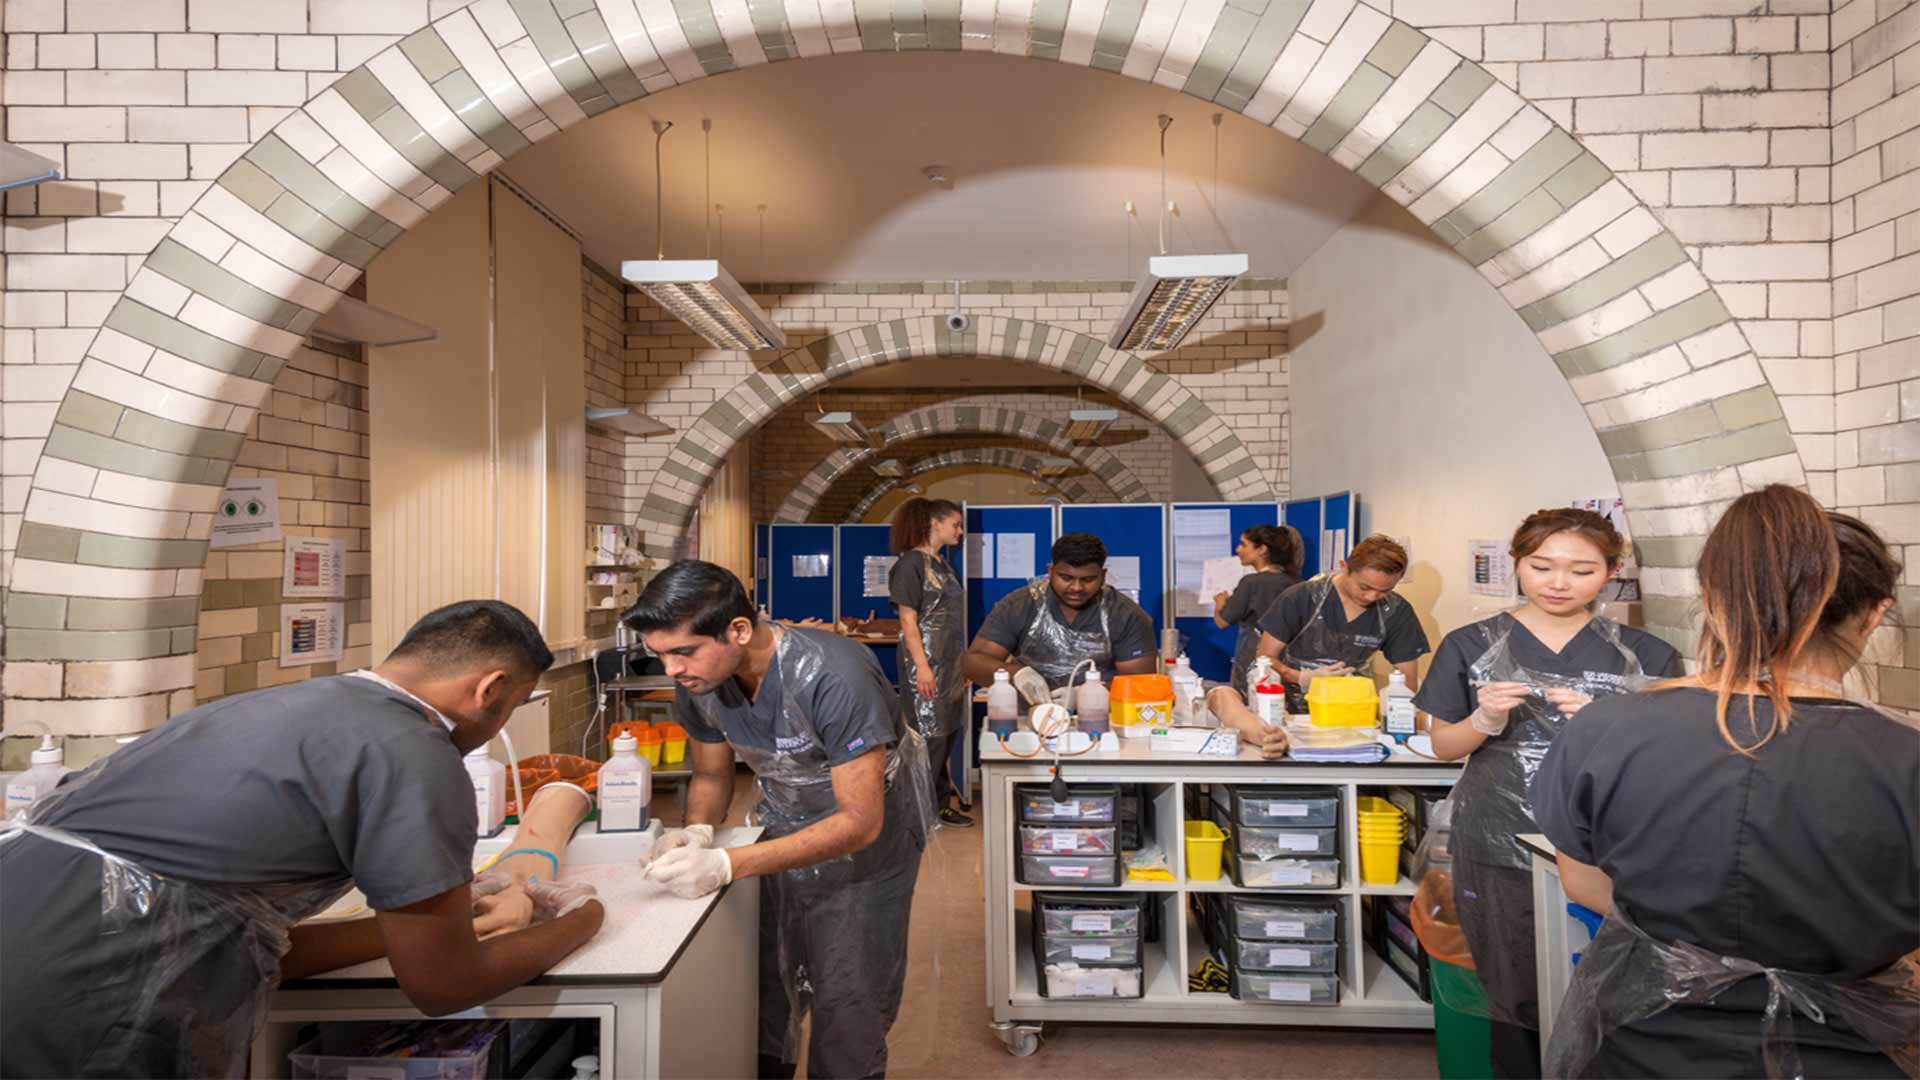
(693, 836)
(1032, 686)
(690, 872)
(1307, 675)
(1496, 700)
(554, 899)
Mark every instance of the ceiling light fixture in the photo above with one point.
(623, 420)
(843, 428)
(1177, 291)
(358, 322)
(1085, 425)
(699, 292)
(891, 468)
(1037, 488)
(913, 489)
(1054, 467)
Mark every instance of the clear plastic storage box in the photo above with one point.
(1284, 956)
(1086, 804)
(1255, 987)
(330, 1056)
(1122, 913)
(1101, 870)
(1254, 919)
(1077, 981)
(1287, 873)
(1266, 842)
(1258, 804)
(1062, 840)
(1120, 949)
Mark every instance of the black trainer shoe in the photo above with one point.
(950, 816)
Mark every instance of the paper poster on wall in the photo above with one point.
(1490, 569)
(1123, 573)
(1326, 551)
(1014, 556)
(1199, 537)
(980, 555)
(312, 634)
(812, 566)
(248, 513)
(1222, 575)
(313, 566)
(1339, 544)
(874, 573)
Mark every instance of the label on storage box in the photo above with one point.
(1297, 841)
(1066, 810)
(1289, 990)
(1064, 840)
(376, 1072)
(1091, 988)
(1282, 928)
(1101, 923)
(1286, 809)
(1071, 871)
(1093, 952)
(1288, 958)
(1289, 875)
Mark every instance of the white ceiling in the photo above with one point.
(1042, 156)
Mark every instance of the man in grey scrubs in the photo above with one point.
(844, 798)
(241, 818)
(1044, 631)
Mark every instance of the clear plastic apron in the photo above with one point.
(201, 959)
(1318, 644)
(1054, 649)
(1625, 975)
(796, 790)
(943, 636)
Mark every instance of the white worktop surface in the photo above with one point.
(1139, 751)
(646, 928)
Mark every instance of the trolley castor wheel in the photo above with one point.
(1021, 1040)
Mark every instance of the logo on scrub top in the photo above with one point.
(793, 743)
(856, 744)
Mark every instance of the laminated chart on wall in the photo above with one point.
(874, 573)
(1014, 556)
(1204, 537)
(314, 566)
(312, 634)
(248, 513)
(812, 566)
(1123, 573)
(1199, 536)
(1489, 569)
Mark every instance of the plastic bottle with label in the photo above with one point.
(1396, 707)
(1003, 705)
(625, 787)
(1186, 691)
(1092, 705)
(489, 789)
(47, 766)
(1269, 693)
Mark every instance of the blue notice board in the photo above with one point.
(1210, 648)
(762, 556)
(799, 552)
(988, 524)
(1137, 530)
(1326, 524)
(858, 543)
(1304, 516)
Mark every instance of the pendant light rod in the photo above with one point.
(1217, 117)
(660, 129)
(1165, 123)
(706, 146)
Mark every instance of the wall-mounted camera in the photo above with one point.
(958, 323)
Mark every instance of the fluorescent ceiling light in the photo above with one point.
(361, 323)
(913, 489)
(701, 294)
(889, 467)
(19, 168)
(843, 427)
(1176, 292)
(1085, 425)
(1037, 488)
(626, 422)
(1056, 467)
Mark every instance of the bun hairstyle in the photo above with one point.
(913, 522)
(1587, 525)
(1378, 552)
(1284, 548)
(1782, 580)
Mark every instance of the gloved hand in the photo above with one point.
(489, 882)
(1496, 701)
(500, 905)
(554, 899)
(1307, 675)
(694, 836)
(1032, 686)
(691, 872)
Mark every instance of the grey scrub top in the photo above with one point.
(1404, 639)
(853, 707)
(1804, 856)
(1132, 628)
(332, 778)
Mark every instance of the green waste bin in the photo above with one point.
(1460, 1033)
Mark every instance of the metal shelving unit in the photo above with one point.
(1370, 994)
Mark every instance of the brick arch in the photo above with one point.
(956, 418)
(1011, 458)
(113, 535)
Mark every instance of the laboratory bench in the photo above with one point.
(1369, 994)
(671, 984)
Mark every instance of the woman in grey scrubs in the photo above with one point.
(926, 592)
(1275, 554)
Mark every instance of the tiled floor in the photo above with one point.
(943, 1030)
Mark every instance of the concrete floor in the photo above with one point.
(943, 1029)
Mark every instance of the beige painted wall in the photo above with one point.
(1416, 386)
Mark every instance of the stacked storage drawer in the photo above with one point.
(1073, 842)
(1283, 837)
(1282, 952)
(1390, 932)
(1089, 946)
